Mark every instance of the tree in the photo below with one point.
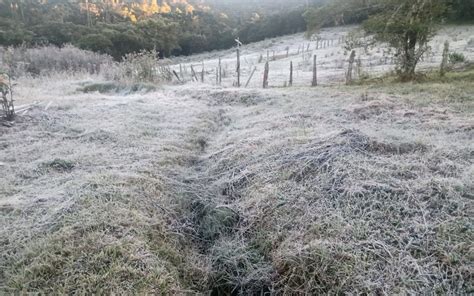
(339, 12)
(461, 10)
(407, 26)
(96, 42)
(124, 43)
(159, 34)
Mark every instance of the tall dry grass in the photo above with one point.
(45, 60)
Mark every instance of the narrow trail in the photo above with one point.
(209, 199)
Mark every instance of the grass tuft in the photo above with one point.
(116, 87)
(60, 165)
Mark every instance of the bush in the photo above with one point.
(47, 59)
(136, 67)
(456, 58)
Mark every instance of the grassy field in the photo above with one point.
(199, 189)
(332, 58)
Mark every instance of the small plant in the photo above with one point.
(141, 67)
(6, 96)
(470, 43)
(456, 58)
(357, 39)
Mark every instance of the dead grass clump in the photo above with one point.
(372, 109)
(396, 148)
(212, 222)
(100, 87)
(217, 97)
(98, 136)
(59, 165)
(116, 87)
(463, 127)
(320, 155)
(237, 269)
(318, 268)
(235, 184)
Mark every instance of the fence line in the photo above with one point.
(341, 69)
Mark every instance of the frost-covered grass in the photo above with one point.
(332, 60)
(198, 189)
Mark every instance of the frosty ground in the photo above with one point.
(332, 57)
(204, 189)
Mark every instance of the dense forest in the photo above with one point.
(118, 27)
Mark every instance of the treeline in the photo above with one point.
(345, 12)
(278, 24)
(119, 32)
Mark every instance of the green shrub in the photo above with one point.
(456, 58)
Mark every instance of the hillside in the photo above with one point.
(117, 28)
(196, 188)
(332, 58)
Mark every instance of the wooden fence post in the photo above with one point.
(193, 74)
(265, 75)
(315, 72)
(176, 74)
(238, 67)
(359, 68)
(220, 72)
(251, 75)
(444, 63)
(291, 74)
(349, 69)
(202, 72)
